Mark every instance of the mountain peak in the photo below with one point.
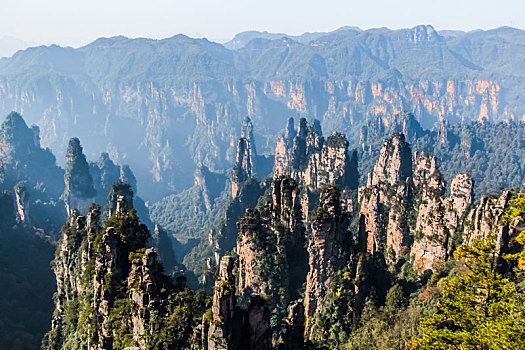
(423, 33)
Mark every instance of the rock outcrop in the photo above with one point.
(313, 161)
(120, 198)
(462, 193)
(22, 203)
(328, 247)
(386, 200)
(244, 167)
(394, 164)
(145, 283)
(31, 172)
(272, 258)
(79, 192)
(484, 219)
(276, 226)
(237, 324)
(108, 284)
(211, 185)
(438, 219)
(293, 337)
(378, 126)
(104, 173)
(404, 210)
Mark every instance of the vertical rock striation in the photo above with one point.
(244, 167)
(327, 247)
(237, 324)
(111, 290)
(272, 258)
(312, 160)
(79, 192)
(404, 210)
(386, 200)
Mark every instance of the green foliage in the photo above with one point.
(225, 288)
(127, 225)
(516, 209)
(174, 329)
(137, 254)
(167, 325)
(330, 193)
(119, 323)
(478, 309)
(337, 140)
(330, 327)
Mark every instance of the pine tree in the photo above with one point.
(479, 309)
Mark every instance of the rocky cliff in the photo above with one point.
(328, 247)
(32, 174)
(404, 210)
(111, 290)
(79, 192)
(272, 260)
(238, 322)
(245, 161)
(312, 161)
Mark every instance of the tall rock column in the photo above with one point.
(438, 218)
(79, 192)
(237, 324)
(386, 201)
(326, 247)
(244, 167)
(272, 257)
(22, 203)
(314, 162)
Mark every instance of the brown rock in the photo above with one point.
(325, 248)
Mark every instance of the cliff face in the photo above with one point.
(22, 203)
(328, 247)
(110, 288)
(404, 210)
(270, 245)
(237, 324)
(194, 102)
(79, 192)
(386, 199)
(245, 161)
(31, 172)
(208, 211)
(484, 219)
(211, 185)
(145, 283)
(312, 161)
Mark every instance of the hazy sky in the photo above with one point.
(75, 22)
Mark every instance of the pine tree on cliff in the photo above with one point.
(78, 180)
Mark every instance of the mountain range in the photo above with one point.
(166, 107)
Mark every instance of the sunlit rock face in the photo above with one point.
(405, 213)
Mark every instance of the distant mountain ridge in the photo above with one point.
(242, 39)
(179, 101)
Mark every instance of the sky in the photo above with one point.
(78, 22)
